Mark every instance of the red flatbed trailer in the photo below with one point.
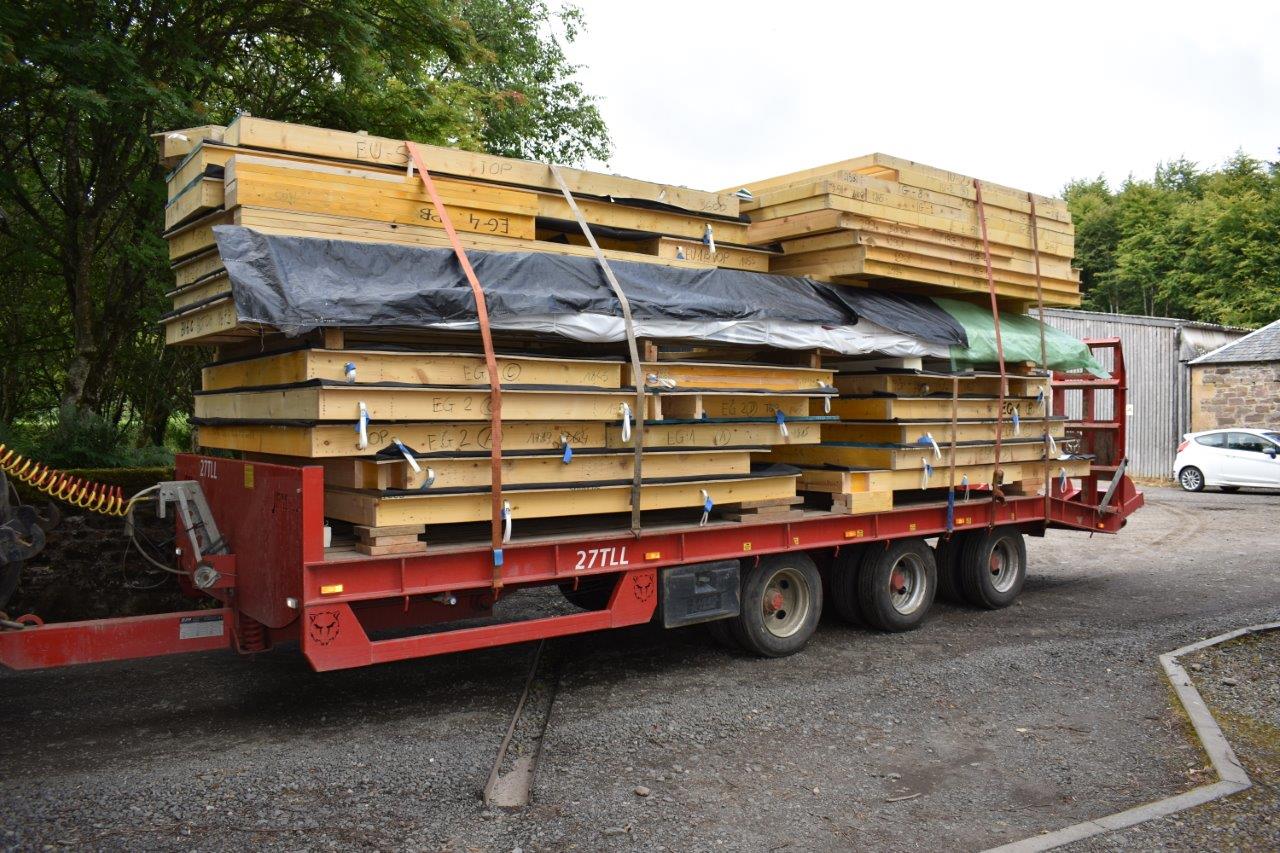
(279, 583)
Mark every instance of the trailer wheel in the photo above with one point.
(721, 631)
(947, 556)
(993, 567)
(593, 591)
(844, 584)
(896, 584)
(781, 605)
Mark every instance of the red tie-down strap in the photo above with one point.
(490, 361)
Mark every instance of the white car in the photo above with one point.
(1229, 459)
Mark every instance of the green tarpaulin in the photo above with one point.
(1020, 335)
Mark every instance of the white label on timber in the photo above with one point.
(198, 627)
(595, 558)
(208, 469)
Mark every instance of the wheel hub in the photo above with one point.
(773, 601)
(786, 602)
(907, 584)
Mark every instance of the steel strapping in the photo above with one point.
(490, 361)
(996, 494)
(636, 367)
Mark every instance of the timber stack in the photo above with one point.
(398, 413)
(883, 221)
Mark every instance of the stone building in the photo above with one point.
(1238, 385)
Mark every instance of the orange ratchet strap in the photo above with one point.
(491, 363)
(997, 496)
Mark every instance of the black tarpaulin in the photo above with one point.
(297, 283)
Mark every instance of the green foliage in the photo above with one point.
(78, 438)
(83, 85)
(1201, 245)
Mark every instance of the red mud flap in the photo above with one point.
(98, 640)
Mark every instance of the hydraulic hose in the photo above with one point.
(85, 494)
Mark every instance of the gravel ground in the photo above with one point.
(978, 729)
(1240, 681)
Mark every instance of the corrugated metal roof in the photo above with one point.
(1261, 345)
(1138, 319)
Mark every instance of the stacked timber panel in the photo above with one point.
(402, 426)
(293, 180)
(888, 222)
(421, 455)
(902, 434)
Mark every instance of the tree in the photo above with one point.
(83, 84)
(1190, 243)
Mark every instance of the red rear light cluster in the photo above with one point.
(1183, 445)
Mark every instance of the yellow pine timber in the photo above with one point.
(255, 132)
(853, 482)
(377, 511)
(195, 267)
(658, 434)
(914, 385)
(787, 227)
(342, 403)
(876, 269)
(754, 377)
(960, 210)
(676, 406)
(472, 207)
(883, 432)
(196, 200)
(929, 409)
(675, 249)
(658, 222)
(856, 260)
(173, 145)
(331, 440)
(474, 472)
(415, 368)
(906, 458)
(1050, 242)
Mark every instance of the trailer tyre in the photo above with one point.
(947, 556)
(993, 567)
(781, 605)
(844, 584)
(896, 584)
(721, 631)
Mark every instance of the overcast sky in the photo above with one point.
(713, 94)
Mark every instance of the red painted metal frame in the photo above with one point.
(286, 587)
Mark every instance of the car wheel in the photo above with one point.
(1191, 479)
(1231, 490)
